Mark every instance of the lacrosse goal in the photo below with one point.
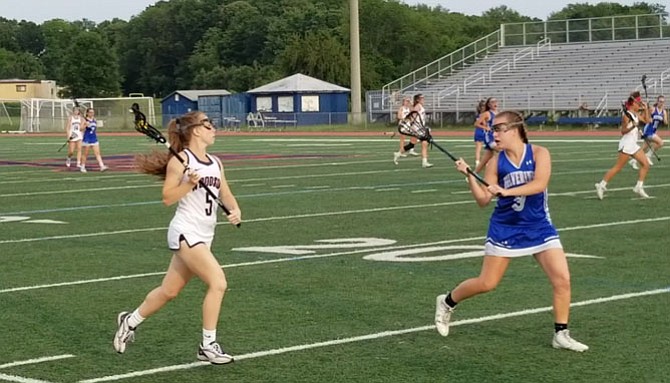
(113, 114)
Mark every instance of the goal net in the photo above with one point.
(112, 114)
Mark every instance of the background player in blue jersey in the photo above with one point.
(520, 225)
(659, 116)
(91, 140)
(484, 122)
(191, 230)
(480, 132)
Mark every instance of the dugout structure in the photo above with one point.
(113, 114)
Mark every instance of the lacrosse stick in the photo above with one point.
(646, 97)
(412, 125)
(142, 126)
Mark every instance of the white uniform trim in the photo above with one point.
(498, 251)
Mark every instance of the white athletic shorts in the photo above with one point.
(176, 235)
(75, 136)
(628, 145)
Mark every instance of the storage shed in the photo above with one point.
(301, 100)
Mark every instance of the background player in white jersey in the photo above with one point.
(635, 111)
(520, 225)
(91, 140)
(402, 112)
(191, 230)
(418, 107)
(74, 136)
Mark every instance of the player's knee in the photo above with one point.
(169, 293)
(219, 284)
(561, 283)
(486, 285)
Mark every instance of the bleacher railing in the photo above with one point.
(597, 29)
(443, 66)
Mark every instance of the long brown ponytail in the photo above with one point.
(179, 135)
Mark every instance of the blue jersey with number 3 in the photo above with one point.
(524, 210)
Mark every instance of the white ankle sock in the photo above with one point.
(208, 336)
(135, 319)
(638, 184)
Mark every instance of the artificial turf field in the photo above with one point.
(334, 272)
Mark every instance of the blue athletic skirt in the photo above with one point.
(516, 241)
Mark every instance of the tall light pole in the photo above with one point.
(355, 64)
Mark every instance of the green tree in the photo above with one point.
(30, 38)
(90, 68)
(319, 55)
(58, 36)
(20, 65)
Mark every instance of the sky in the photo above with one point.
(39, 11)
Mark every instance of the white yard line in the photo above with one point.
(318, 256)
(36, 360)
(374, 336)
(19, 379)
(266, 219)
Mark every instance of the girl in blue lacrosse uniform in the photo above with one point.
(659, 116)
(191, 230)
(484, 122)
(519, 226)
(480, 133)
(91, 140)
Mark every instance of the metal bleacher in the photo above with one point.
(586, 77)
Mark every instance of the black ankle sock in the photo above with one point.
(449, 301)
(560, 326)
(407, 147)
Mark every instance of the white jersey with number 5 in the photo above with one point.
(195, 218)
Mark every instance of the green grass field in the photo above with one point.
(334, 272)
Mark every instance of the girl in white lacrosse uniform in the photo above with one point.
(520, 225)
(74, 136)
(636, 111)
(403, 111)
(418, 107)
(191, 230)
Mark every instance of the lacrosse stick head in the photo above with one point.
(412, 125)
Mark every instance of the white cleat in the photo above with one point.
(68, 162)
(426, 164)
(442, 315)
(650, 162)
(413, 153)
(600, 190)
(124, 333)
(633, 164)
(640, 191)
(562, 340)
(103, 168)
(82, 169)
(214, 354)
